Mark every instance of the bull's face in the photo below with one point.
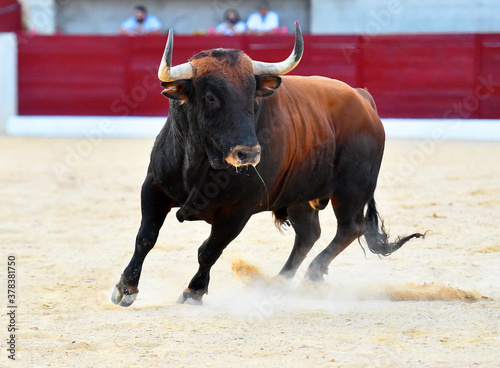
(222, 90)
(222, 99)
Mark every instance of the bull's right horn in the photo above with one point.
(286, 66)
(168, 74)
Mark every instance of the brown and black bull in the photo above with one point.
(240, 139)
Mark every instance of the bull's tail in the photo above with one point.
(376, 236)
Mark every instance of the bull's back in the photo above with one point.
(322, 105)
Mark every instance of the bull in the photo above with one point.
(302, 141)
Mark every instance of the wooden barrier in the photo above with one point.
(10, 16)
(410, 76)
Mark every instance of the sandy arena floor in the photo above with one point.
(70, 210)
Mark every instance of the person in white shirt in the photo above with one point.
(232, 24)
(264, 21)
(141, 23)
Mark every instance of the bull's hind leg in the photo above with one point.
(155, 206)
(350, 225)
(355, 174)
(225, 227)
(305, 222)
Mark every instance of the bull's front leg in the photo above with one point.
(225, 227)
(155, 206)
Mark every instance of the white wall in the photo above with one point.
(40, 15)
(94, 128)
(8, 78)
(404, 16)
(105, 17)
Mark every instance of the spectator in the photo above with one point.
(232, 24)
(264, 21)
(141, 23)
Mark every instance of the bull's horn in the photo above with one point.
(168, 74)
(287, 65)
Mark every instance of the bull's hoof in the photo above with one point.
(191, 297)
(316, 274)
(123, 296)
(285, 275)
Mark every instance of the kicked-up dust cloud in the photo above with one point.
(252, 276)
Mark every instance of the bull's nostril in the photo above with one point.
(242, 156)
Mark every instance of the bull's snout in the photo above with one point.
(243, 155)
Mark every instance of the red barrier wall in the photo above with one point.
(410, 76)
(10, 16)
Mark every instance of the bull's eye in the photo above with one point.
(211, 101)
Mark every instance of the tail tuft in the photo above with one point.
(377, 237)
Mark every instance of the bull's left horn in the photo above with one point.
(168, 74)
(286, 66)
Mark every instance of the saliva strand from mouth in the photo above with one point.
(263, 182)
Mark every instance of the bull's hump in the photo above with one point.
(341, 105)
(315, 115)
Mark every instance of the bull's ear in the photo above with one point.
(266, 84)
(178, 90)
